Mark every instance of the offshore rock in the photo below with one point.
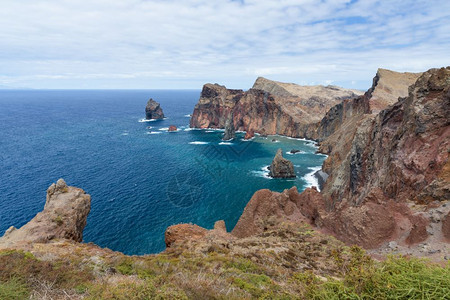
(153, 110)
(281, 167)
(230, 133)
(172, 128)
(64, 217)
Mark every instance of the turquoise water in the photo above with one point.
(142, 178)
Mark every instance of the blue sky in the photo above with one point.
(186, 43)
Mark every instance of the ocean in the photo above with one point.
(141, 178)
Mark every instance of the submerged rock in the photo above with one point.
(64, 217)
(281, 167)
(153, 110)
(230, 133)
(293, 151)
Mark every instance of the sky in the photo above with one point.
(183, 44)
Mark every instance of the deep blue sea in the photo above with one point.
(142, 178)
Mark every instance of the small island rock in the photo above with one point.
(281, 167)
(173, 128)
(153, 110)
(230, 133)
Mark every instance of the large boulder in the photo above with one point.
(183, 232)
(281, 167)
(64, 217)
(153, 110)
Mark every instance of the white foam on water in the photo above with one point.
(310, 179)
(263, 172)
(300, 152)
(164, 128)
(198, 143)
(208, 131)
(146, 120)
(125, 133)
(187, 116)
(225, 143)
(154, 132)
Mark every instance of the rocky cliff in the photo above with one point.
(270, 107)
(64, 217)
(388, 167)
(388, 172)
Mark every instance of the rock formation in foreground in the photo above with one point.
(270, 107)
(153, 110)
(229, 133)
(64, 217)
(281, 167)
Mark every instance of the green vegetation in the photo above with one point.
(13, 289)
(340, 273)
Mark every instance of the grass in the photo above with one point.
(14, 289)
(307, 268)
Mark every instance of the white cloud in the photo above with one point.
(184, 43)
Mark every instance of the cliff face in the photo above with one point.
(403, 150)
(270, 107)
(387, 87)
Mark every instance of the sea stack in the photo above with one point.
(153, 110)
(281, 167)
(230, 133)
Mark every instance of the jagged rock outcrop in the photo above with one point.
(64, 217)
(153, 110)
(281, 167)
(229, 133)
(270, 107)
